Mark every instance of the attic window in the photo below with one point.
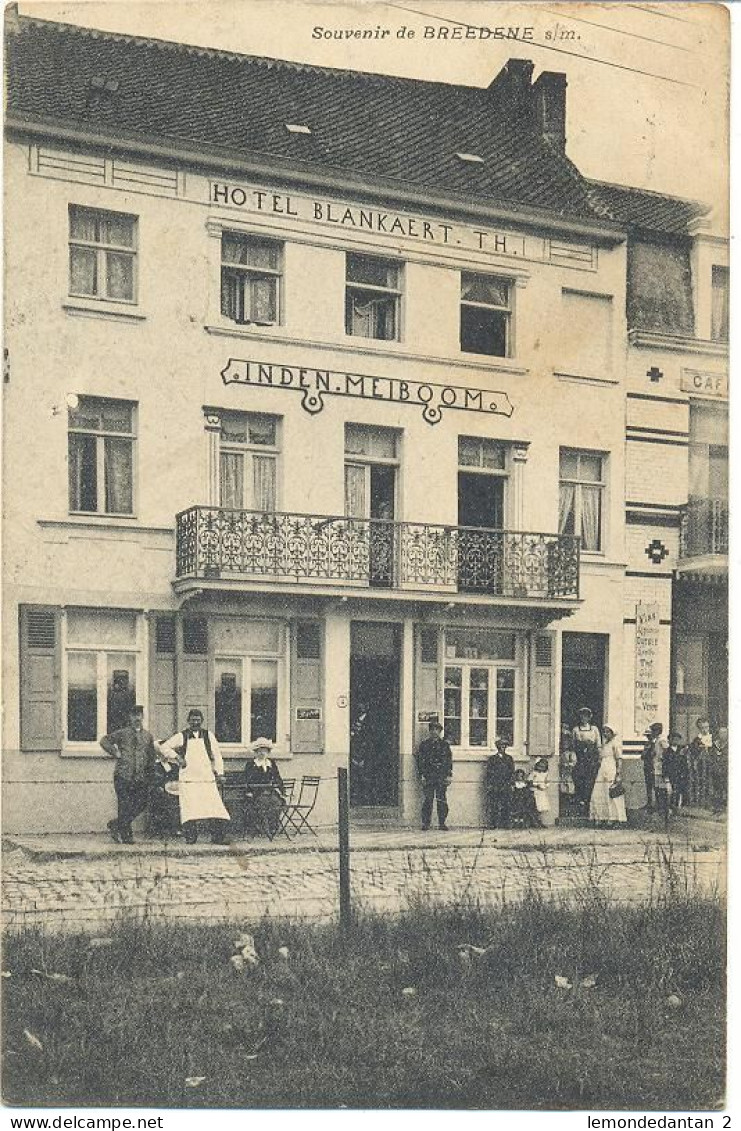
(293, 128)
(470, 158)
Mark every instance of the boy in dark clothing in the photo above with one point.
(435, 768)
(675, 766)
(499, 780)
(523, 802)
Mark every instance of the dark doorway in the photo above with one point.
(374, 715)
(480, 557)
(480, 500)
(583, 672)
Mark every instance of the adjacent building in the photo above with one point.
(315, 418)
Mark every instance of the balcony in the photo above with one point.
(423, 559)
(703, 537)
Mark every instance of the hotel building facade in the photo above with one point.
(323, 402)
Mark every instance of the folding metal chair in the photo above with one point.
(233, 794)
(294, 817)
(289, 784)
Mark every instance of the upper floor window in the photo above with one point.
(102, 254)
(372, 297)
(708, 451)
(101, 437)
(719, 313)
(249, 461)
(250, 279)
(581, 497)
(486, 314)
(585, 337)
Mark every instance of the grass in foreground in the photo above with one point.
(331, 1025)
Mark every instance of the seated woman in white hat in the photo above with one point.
(264, 799)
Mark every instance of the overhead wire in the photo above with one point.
(617, 30)
(551, 47)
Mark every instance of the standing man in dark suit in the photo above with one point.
(499, 783)
(133, 748)
(435, 768)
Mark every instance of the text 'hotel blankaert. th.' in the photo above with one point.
(331, 394)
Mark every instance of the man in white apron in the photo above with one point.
(196, 751)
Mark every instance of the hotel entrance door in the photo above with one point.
(374, 714)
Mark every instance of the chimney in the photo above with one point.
(549, 102)
(511, 87)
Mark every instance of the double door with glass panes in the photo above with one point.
(370, 497)
(481, 673)
(248, 458)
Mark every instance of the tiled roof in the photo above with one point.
(651, 212)
(372, 126)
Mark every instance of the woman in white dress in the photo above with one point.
(602, 807)
(538, 778)
(197, 752)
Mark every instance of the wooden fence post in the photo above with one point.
(344, 837)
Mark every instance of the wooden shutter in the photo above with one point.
(427, 697)
(162, 716)
(307, 707)
(192, 683)
(542, 722)
(40, 677)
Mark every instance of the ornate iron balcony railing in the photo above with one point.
(704, 528)
(213, 542)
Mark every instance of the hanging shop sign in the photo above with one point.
(315, 384)
(647, 665)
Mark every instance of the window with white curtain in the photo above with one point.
(486, 314)
(581, 497)
(372, 297)
(250, 279)
(102, 254)
(248, 461)
(101, 438)
(371, 460)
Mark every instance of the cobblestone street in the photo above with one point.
(85, 881)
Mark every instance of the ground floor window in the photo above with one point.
(481, 683)
(249, 680)
(103, 659)
(246, 699)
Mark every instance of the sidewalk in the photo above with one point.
(68, 882)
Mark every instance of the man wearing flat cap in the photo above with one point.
(435, 768)
(136, 755)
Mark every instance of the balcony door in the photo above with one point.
(248, 461)
(482, 481)
(480, 500)
(371, 467)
